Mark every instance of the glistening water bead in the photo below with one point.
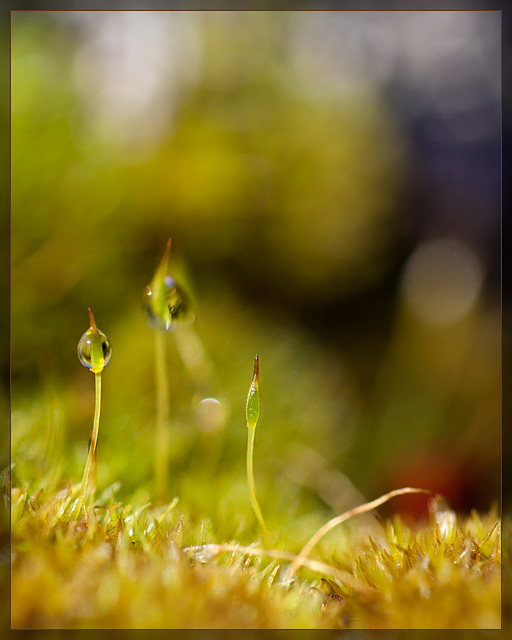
(85, 349)
(167, 305)
(94, 350)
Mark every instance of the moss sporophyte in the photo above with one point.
(167, 308)
(166, 303)
(410, 572)
(94, 352)
(252, 414)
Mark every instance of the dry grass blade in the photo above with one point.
(211, 550)
(364, 508)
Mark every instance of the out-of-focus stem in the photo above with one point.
(162, 416)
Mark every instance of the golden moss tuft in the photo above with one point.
(134, 567)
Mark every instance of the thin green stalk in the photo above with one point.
(252, 414)
(167, 308)
(94, 352)
(88, 480)
(250, 480)
(162, 416)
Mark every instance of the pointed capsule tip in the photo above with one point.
(257, 366)
(91, 318)
(166, 254)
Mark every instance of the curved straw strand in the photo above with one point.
(313, 565)
(364, 508)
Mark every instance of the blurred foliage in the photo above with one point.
(287, 222)
(295, 231)
(230, 185)
(245, 171)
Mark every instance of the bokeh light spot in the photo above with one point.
(211, 415)
(442, 280)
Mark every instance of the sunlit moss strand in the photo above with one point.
(252, 407)
(94, 352)
(250, 482)
(162, 417)
(252, 412)
(87, 488)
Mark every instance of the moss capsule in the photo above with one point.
(94, 350)
(165, 302)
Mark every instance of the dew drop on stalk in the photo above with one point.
(166, 304)
(94, 350)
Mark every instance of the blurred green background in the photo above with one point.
(331, 183)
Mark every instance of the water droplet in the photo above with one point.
(94, 350)
(165, 302)
(167, 307)
(202, 553)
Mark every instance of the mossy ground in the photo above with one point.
(299, 211)
(150, 567)
(137, 564)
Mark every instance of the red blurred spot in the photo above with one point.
(434, 470)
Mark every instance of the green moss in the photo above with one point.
(133, 567)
